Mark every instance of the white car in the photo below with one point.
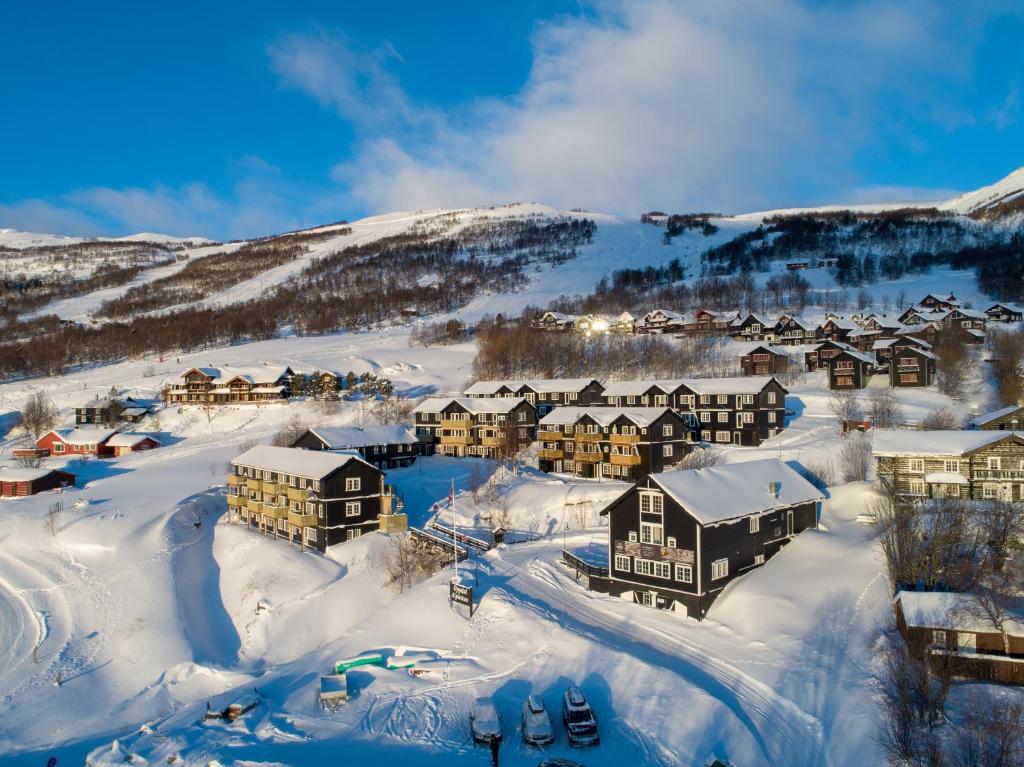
(537, 729)
(484, 721)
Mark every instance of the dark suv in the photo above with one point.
(579, 719)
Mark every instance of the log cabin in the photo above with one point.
(818, 358)
(231, 386)
(949, 632)
(1005, 313)
(678, 538)
(883, 348)
(624, 323)
(315, 499)
(1009, 418)
(386, 446)
(614, 443)
(661, 321)
(935, 303)
(836, 329)
(964, 319)
(470, 426)
(794, 330)
(911, 366)
(16, 482)
(951, 464)
(850, 370)
(764, 360)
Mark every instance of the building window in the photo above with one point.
(755, 524)
(622, 563)
(666, 451)
(351, 534)
(311, 535)
(651, 533)
(352, 508)
(705, 416)
(952, 466)
(722, 399)
(652, 503)
(990, 490)
(917, 465)
(671, 541)
(917, 487)
(719, 569)
(666, 430)
(994, 463)
(771, 416)
(771, 398)
(684, 573)
(662, 570)
(722, 436)
(759, 559)
(632, 536)
(723, 417)
(351, 484)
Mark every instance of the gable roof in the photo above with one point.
(951, 610)
(312, 464)
(995, 415)
(129, 439)
(605, 416)
(545, 385)
(471, 404)
(841, 323)
(20, 474)
(83, 435)
(253, 374)
(632, 388)
(734, 490)
(1006, 305)
(342, 437)
(728, 385)
(896, 442)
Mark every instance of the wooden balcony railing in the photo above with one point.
(300, 519)
(625, 460)
(588, 457)
(624, 439)
(449, 439)
(584, 437)
(550, 455)
(549, 435)
(294, 494)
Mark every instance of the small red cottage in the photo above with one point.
(77, 441)
(16, 482)
(129, 442)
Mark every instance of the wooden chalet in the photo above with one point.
(751, 328)
(982, 464)
(764, 360)
(677, 538)
(745, 410)
(471, 426)
(911, 366)
(231, 386)
(591, 325)
(836, 329)
(706, 322)
(127, 442)
(555, 322)
(615, 443)
(661, 321)
(850, 370)
(1005, 313)
(108, 411)
(936, 303)
(81, 440)
(386, 446)
(793, 330)
(964, 319)
(545, 394)
(16, 482)
(820, 356)
(884, 348)
(315, 499)
(948, 631)
(624, 323)
(1009, 418)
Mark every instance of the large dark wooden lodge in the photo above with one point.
(383, 446)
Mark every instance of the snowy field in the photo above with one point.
(149, 605)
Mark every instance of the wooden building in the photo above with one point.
(592, 325)
(764, 360)
(545, 394)
(555, 322)
(751, 328)
(706, 322)
(964, 319)
(850, 370)
(1009, 418)
(836, 329)
(911, 366)
(884, 348)
(615, 443)
(1005, 313)
(471, 426)
(661, 321)
(793, 330)
(124, 443)
(624, 323)
(951, 464)
(312, 498)
(677, 538)
(949, 631)
(819, 357)
(81, 440)
(386, 446)
(936, 303)
(16, 482)
(230, 386)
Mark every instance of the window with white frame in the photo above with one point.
(719, 569)
(755, 524)
(759, 559)
(651, 533)
(705, 416)
(917, 465)
(632, 536)
(990, 490)
(622, 563)
(771, 398)
(666, 430)
(771, 416)
(671, 541)
(354, 533)
(352, 508)
(722, 399)
(723, 436)
(951, 465)
(723, 416)
(643, 567)
(684, 573)
(994, 463)
(666, 451)
(662, 570)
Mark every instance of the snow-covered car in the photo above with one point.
(484, 721)
(537, 730)
(579, 718)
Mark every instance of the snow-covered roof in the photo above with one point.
(667, 313)
(969, 313)
(805, 324)
(995, 415)
(312, 464)
(130, 411)
(256, 374)
(862, 356)
(341, 437)
(129, 439)
(947, 610)
(894, 442)
(841, 323)
(605, 416)
(729, 491)
(630, 388)
(84, 435)
(730, 385)
(1006, 305)
(842, 345)
(540, 385)
(471, 404)
(19, 474)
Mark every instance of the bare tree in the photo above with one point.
(855, 457)
(941, 418)
(990, 733)
(294, 428)
(845, 405)
(994, 596)
(392, 409)
(954, 364)
(51, 523)
(884, 409)
(699, 458)
(38, 414)
(30, 461)
(406, 562)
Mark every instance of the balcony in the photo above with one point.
(550, 455)
(998, 474)
(449, 439)
(272, 488)
(584, 437)
(549, 436)
(273, 512)
(235, 501)
(299, 519)
(624, 439)
(625, 460)
(234, 480)
(254, 506)
(492, 441)
(450, 424)
(294, 494)
(595, 457)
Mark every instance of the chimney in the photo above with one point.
(775, 488)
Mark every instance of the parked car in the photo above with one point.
(579, 719)
(484, 721)
(537, 730)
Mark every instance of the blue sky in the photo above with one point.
(240, 119)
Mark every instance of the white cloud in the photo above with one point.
(686, 105)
